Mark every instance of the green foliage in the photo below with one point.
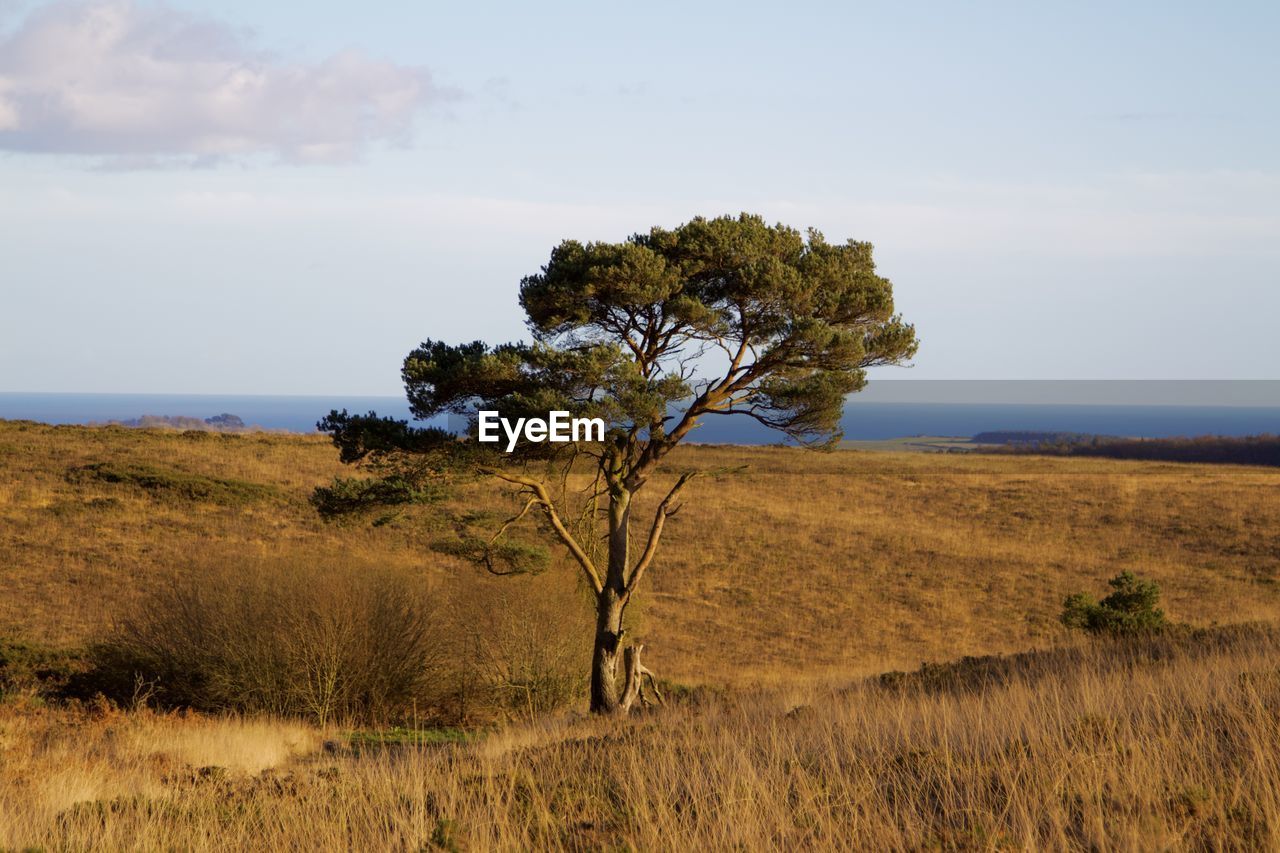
(519, 381)
(26, 666)
(503, 557)
(619, 331)
(361, 437)
(410, 465)
(400, 736)
(161, 482)
(347, 496)
(444, 836)
(1129, 609)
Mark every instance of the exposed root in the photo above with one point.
(636, 673)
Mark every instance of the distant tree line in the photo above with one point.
(1245, 450)
(1037, 438)
(225, 422)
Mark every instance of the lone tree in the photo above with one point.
(652, 335)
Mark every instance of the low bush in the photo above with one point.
(27, 667)
(159, 481)
(521, 646)
(500, 558)
(346, 644)
(329, 643)
(1129, 609)
(351, 496)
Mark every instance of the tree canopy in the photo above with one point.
(716, 316)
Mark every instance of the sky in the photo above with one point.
(285, 198)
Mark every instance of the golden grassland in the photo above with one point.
(803, 565)
(785, 583)
(1140, 747)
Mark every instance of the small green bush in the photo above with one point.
(351, 496)
(1129, 609)
(159, 482)
(501, 558)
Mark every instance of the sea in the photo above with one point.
(864, 419)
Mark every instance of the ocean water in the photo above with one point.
(863, 419)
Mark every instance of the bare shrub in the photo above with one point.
(518, 648)
(326, 642)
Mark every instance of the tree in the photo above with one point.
(226, 420)
(652, 335)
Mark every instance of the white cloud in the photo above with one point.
(142, 83)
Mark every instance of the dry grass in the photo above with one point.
(785, 583)
(860, 562)
(1155, 747)
(64, 764)
(805, 566)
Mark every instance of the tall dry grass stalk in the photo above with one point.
(1159, 745)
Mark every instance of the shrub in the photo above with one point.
(349, 496)
(518, 646)
(1129, 609)
(503, 557)
(33, 668)
(346, 644)
(330, 643)
(532, 662)
(161, 482)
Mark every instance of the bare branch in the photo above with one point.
(645, 672)
(548, 507)
(664, 511)
(532, 502)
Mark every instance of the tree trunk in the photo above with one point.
(604, 663)
(605, 698)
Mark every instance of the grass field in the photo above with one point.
(804, 564)
(1149, 746)
(779, 588)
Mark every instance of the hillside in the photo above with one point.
(804, 566)
(781, 586)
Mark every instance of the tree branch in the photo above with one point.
(655, 533)
(735, 378)
(532, 502)
(541, 497)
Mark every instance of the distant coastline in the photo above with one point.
(864, 420)
(290, 413)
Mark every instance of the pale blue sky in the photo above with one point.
(1073, 191)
